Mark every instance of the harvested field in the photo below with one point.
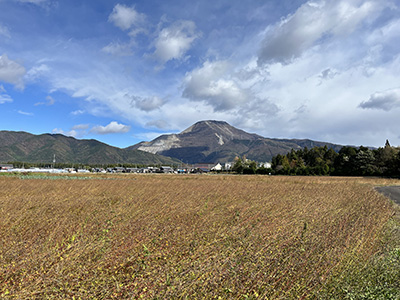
(194, 237)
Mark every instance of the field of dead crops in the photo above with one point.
(184, 237)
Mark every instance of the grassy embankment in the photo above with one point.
(194, 237)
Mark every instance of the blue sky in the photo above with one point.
(126, 71)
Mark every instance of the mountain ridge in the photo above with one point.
(213, 141)
(27, 147)
(208, 141)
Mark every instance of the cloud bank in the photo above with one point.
(11, 71)
(113, 127)
(125, 17)
(386, 100)
(324, 70)
(313, 24)
(174, 41)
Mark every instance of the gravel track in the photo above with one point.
(392, 192)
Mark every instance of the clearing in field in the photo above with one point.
(177, 237)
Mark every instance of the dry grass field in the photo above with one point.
(184, 237)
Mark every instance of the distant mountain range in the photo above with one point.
(217, 141)
(203, 142)
(26, 147)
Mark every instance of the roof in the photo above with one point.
(6, 166)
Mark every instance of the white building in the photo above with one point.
(217, 167)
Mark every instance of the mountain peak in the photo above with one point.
(216, 141)
(200, 142)
(217, 129)
(201, 125)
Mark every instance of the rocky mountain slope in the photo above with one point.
(217, 141)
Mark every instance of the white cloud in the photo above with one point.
(386, 100)
(3, 95)
(101, 90)
(160, 124)
(72, 133)
(77, 112)
(383, 42)
(319, 96)
(113, 127)
(173, 42)
(79, 130)
(45, 4)
(81, 127)
(149, 104)
(339, 62)
(76, 131)
(49, 101)
(125, 17)
(213, 84)
(36, 72)
(389, 32)
(25, 113)
(4, 31)
(37, 2)
(119, 49)
(312, 24)
(328, 74)
(11, 71)
(148, 136)
(5, 98)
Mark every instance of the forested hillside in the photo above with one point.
(30, 148)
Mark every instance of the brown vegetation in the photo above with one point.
(183, 236)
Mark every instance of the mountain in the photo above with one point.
(203, 142)
(26, 147)
(217, 141)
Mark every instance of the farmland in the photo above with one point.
(194, 237)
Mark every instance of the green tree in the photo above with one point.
(238, 166)
(250, 167)
(365, 162)
(386, 160)
(344, 162)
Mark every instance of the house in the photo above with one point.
(217, 167)
(118, 170)
(6, 167)
(266, 165)
(167, 169)
(228, 165)
(153, 170)
(202, 168)
(99, 170)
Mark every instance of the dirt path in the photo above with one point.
(392, 192)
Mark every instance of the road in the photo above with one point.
(392, 192)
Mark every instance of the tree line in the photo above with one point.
(349, 161)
